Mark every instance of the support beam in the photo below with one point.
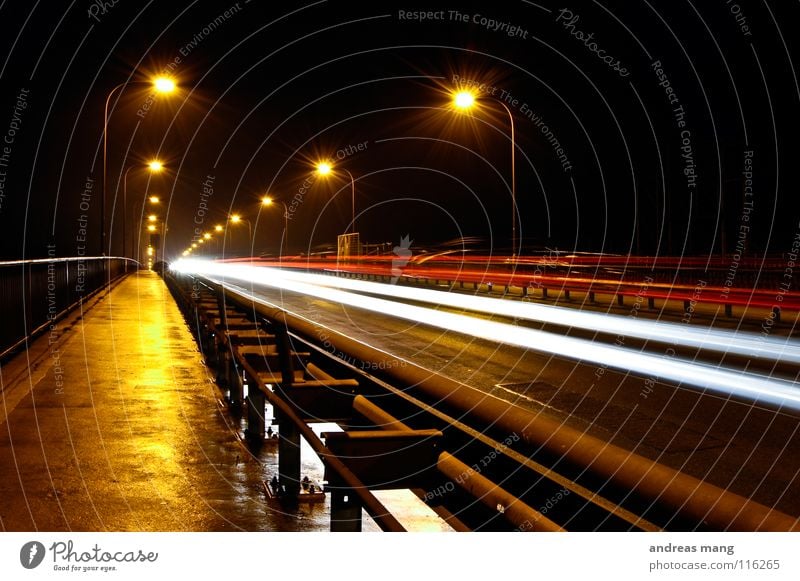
(255, 409)
(345, 511)
(288, 458)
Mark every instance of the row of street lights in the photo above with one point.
(153, 166)
(322, 169)
(462, 100)
(238, 219)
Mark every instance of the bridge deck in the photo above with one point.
(115, 425)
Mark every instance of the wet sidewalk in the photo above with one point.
(112, 423)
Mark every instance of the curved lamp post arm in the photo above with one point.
(513, 182)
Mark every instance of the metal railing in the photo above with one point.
(36, 293)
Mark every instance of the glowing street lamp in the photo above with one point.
(207, 236)
(325, 169)
(218, 228)
(162, 85)
(269, 201)
(151, 227)
(465, 101)
(237, 219)
(152, 218)
(155, 200)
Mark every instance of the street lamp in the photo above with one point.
(465, 101)
(236, 219)
(325, 169)
(162, 85)
(153, 166)
(268, 201)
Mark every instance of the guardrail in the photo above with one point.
(35, 293)
(777, 302)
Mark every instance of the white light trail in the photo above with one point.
(747, 385)
(738, 343)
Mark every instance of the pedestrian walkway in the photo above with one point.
(111, 422)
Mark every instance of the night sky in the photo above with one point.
(645, 126)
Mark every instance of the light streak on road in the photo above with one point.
(723, 341)
(747, 385)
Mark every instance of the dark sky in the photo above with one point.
(613, 152)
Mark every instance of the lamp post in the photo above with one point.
(465, 101)
(220, 229)
(268, 201)
(154, 166)
(160, 85)
(324, 169)
(236, 219)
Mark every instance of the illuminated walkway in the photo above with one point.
(117, 426)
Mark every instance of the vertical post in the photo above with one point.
(255, 409)
(353, 190)
(125, 211)
(288, 458)
(345, 511)
(513, 183)
(233, 376)
(105, 169)
(286, 225)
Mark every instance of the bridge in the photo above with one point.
(448, 393)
